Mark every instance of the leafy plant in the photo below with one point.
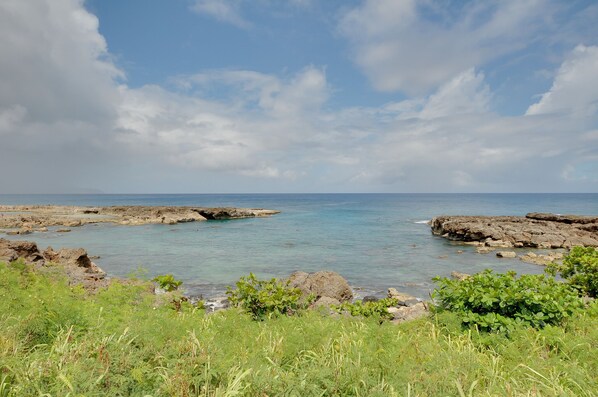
(167, 282)
(265, 298)
(580, 268)
(498, 302)
(378, 309)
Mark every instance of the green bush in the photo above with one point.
(167, 282)
(499, 302)
(378, 309)
(265, 298)
(580, 268)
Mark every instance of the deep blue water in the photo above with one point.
(373, 240)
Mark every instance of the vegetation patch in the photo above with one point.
(266, 298)
(580, 269)
(377, 309)
(57, 340)
(167, 282)
(499, 302)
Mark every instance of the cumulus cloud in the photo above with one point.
(54, 62)
(400, 44)
(58, 93)
(69, 120)
(575, 88)
(249, 133)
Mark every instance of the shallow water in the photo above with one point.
(376, 241)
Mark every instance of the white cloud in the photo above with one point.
(54, 62)
(248, 133)
(58, 95)
(68, 122)
(268, 127)
(232, 11)
(415, 46)
(466, 93)
(575, 87)
(228, 11)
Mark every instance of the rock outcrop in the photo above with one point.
(23, 219)
(408, 307)
(535, 230)
(323, 284)
(13, 250)
(77, 266)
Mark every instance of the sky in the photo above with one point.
(269, 96)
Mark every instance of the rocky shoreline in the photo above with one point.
(74, 262)
(535, 230)
(328, 288)
(24, 219)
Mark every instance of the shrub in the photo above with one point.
(498, 302)
(580, 268)
(378, 309)
(167, 282)
(262, 298)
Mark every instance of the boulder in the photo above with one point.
(69, 256)
(322, 284)
(406, 313)
(393, 293)
(325, 301)
(506, 254)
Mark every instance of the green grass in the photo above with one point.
(57, 341)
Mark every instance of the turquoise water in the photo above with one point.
(376, 241)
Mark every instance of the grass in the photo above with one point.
(57, 341)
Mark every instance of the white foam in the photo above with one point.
(426, 222)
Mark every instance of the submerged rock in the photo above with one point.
(460, 276)
(541, 259)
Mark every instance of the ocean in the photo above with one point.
(375, 241)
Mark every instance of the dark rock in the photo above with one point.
(370, 298)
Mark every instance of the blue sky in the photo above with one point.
(298, 96)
